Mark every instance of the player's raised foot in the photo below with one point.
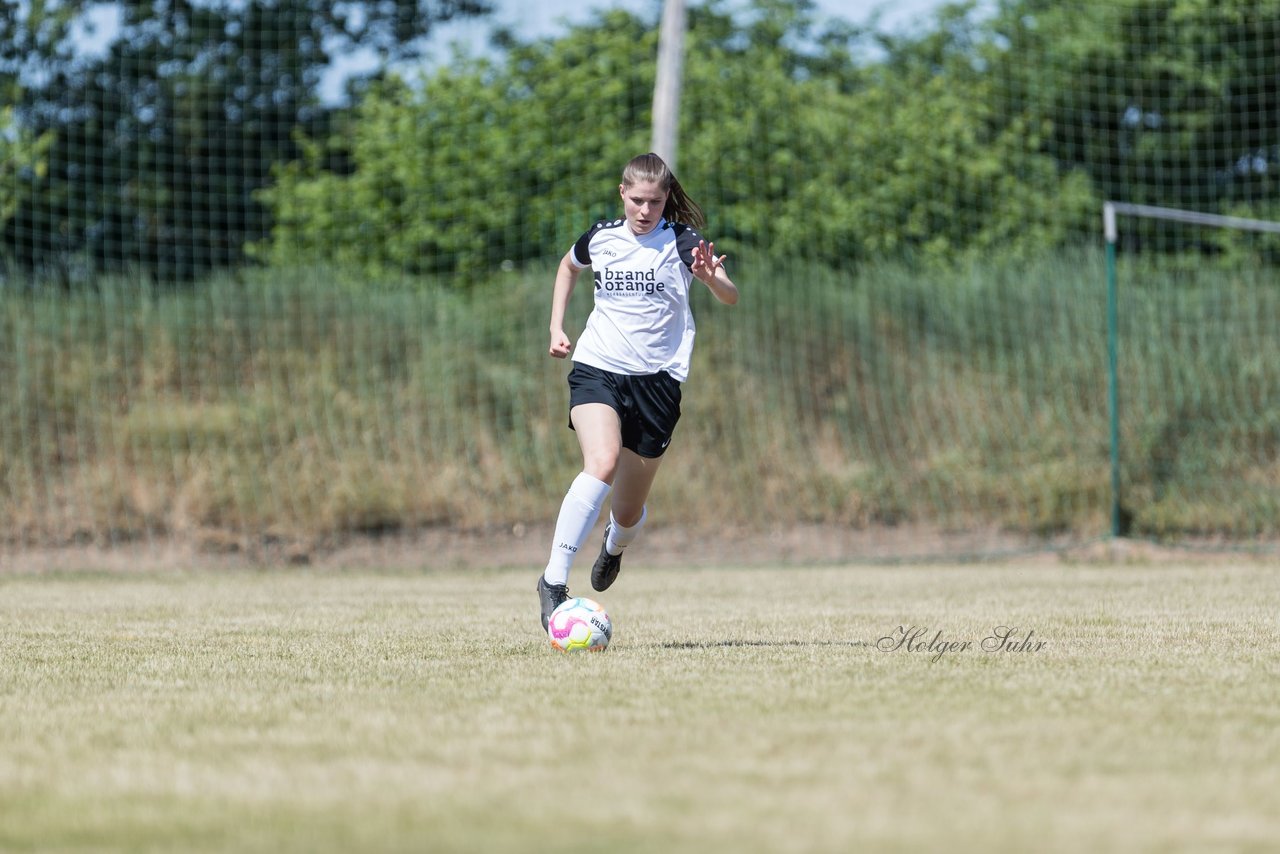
(605, 570)
(550, 596)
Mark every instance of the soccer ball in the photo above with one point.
(579, 624)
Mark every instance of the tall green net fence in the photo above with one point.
(243, 307)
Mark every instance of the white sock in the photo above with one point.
(620, 537)
(578, 514)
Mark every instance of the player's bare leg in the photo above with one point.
(600, 438)
(631, 486)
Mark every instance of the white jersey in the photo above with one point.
(641, 323)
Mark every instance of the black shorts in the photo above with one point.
(648, 405)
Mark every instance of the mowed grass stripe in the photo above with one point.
(738, 710)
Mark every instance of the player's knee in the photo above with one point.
(601, 466)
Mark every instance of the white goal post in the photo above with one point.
(1111, 209)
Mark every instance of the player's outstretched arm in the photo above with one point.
(709, 270)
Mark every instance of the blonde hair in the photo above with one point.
(679, 208)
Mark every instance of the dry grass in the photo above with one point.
(295, 405)
(739, 710)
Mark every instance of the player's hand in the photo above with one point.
(705, 262)
(560, 345)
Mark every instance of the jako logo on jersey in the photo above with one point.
(629, 281)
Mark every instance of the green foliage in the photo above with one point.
(928, 176)
(1164, 102)
(22, 163)
(802, 153)
(478, 164)
(200, 133)
(163, 138)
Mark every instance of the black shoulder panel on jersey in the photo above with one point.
(582, 249)
(686, 240)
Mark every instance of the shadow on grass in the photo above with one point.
(735, 642)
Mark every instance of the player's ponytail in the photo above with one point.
(680, 208)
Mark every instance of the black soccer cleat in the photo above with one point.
(551, 597)
(605, 570)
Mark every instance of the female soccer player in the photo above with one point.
(632, 356)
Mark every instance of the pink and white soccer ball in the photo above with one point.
(580, 625)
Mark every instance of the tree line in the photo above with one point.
(199, 141)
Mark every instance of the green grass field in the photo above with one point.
(739, 710)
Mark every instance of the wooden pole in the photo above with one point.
(666, 87)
